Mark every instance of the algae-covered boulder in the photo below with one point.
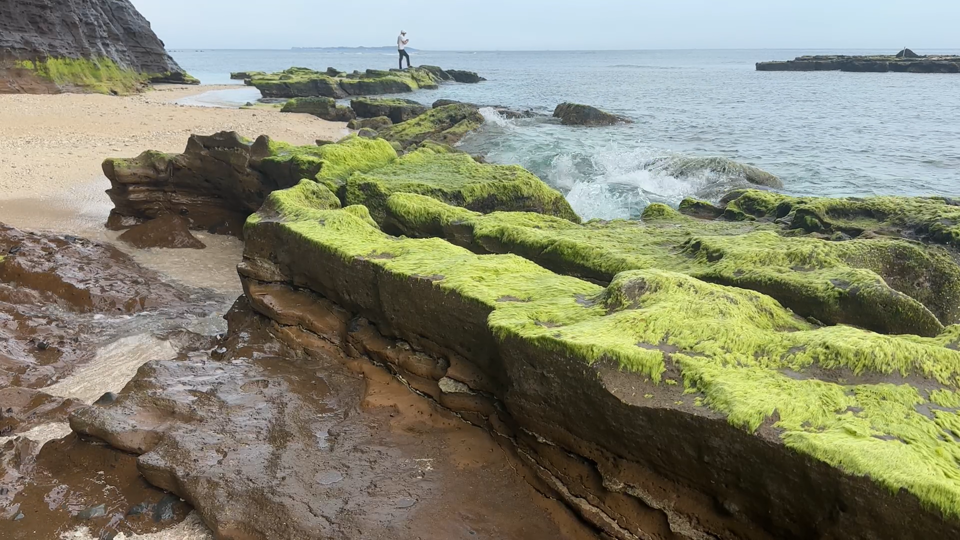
(457, 179)
(303, 82)
(761, 424)
(321, 107)
(221, 179)
(930, 219)
(575, 114)
(397, 110)
(446, 125)
(887, 285)
(377, 124)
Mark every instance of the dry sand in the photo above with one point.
(49, 143)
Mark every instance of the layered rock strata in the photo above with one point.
(709, 409)
(103, 46)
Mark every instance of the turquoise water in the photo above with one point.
(829, 133)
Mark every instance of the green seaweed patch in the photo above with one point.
(330, 164)
(97, 75)
(447, 125)
(457, 179)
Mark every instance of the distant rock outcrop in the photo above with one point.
(906, 61)
(105, 46)
(304, 82)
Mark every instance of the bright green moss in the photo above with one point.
(737, 351)
(458, 180)
(330, 164)
(446, 125)
(100, 75)
(303, 82)
(888, 285)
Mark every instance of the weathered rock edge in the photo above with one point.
(303, 82)
(576, 402)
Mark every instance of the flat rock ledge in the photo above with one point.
(303, 82)
(901, 63)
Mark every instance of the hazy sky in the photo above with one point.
(556, 24)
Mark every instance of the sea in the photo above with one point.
(821, 133)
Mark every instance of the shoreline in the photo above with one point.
(51, 143)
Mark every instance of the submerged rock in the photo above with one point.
(321, 107)
(167, 231)
(730, 171)
(574, 114)
(103, 46)
(467, 77)
(397, 110)
(663, 377)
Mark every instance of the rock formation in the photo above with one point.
(397, 110)
(901, 63)
(321, 107)
(167, 231)
(303, 82)
(106, 46)
(377, 123)
(445, 125)
(574, 114)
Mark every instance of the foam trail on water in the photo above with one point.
(492, 117)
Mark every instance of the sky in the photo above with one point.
(557, 24)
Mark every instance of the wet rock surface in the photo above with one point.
(302, 82)
(279, 435)
(575, 114)
(169, 231)
(86, 30)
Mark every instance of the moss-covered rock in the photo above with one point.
(717, 388)
(728, 170)
(446, 125)
(321, 107)
(220, 180)
(303, 82)
(457, 179)
(887, 285)
(930, 219)
(377, 124)
(98, 75)
(575, 114)
(397, 110)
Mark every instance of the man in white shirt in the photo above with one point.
(401, 45)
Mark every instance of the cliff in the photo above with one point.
(105, 46)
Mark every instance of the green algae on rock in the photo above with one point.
(397, 110)
(447, 125)
(458, 180)
(304, 82)
(321, 107)
(887, 285)
(102, 76)
(575, 114)
(869, 418)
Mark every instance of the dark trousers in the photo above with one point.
(403, 54)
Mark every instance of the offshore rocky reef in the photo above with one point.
(764, 367)
(906, 61)
(103, 46)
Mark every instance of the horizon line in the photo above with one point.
(178, 49)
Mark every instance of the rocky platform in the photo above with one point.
(765, 367)
(105, 46)
(303, 82)
(67, 307)
(900, 63)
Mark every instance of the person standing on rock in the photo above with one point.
(401, 45)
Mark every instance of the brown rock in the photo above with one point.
(167, 231)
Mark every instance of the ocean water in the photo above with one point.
(827, 133)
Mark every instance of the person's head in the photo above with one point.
(403, 32)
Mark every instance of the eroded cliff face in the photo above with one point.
(53, 46)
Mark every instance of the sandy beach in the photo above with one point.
(50, 143)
